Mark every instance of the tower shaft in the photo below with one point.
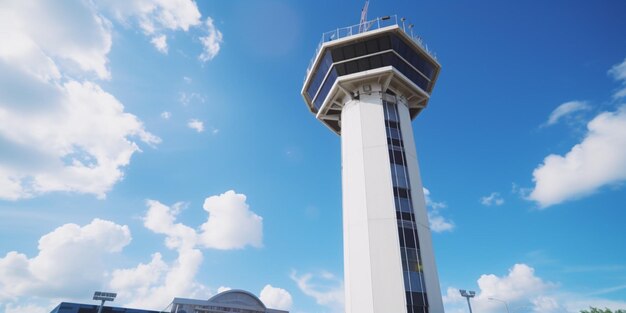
(389, 263)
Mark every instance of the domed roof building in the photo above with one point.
(235, 300)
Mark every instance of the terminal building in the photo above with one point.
(366, 83)
(233, 301)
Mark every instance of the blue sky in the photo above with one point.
(162, 148)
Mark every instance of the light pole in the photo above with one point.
(468, 294)
(104, 296)
(499, 300)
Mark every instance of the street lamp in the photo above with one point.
(468, 294)
(499, 300)
(104, 296)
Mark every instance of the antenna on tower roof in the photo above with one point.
(363, 23)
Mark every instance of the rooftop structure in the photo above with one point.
(68, 307)
(232, 301)
(238, 301)
(366, 83)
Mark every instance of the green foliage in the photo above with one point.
(606, 310)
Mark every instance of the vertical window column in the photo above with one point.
(409, 244)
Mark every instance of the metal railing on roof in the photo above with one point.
(377, 23)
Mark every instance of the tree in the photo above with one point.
(606, 310)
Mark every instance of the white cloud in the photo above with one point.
(54, 120)
(196, 125)
(154, 15)
(57, 131)
(517, 285)
(161, 220)
(599, 160)
(69, 35)
(69, 145)
(231, 223)
(276, 298)
(155, 284)
(71, 259)
(187, 80)
(493, 199)
(166, 115)
(618, 72)
(187, 98)
(27, 308)
(566, 109)
(160, 43)
(210, 43)
(523, 290)
(223, 288)
(438, 223)
(327, 290)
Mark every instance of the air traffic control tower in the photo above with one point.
(366, 83)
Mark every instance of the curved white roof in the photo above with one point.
(238, 297)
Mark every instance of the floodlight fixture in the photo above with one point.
(386, 17)
(467, 294)
(104, 296)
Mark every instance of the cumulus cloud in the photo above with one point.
(52, 35)
(211, 42)
(27, 308)
(153, 285)
(166, 115)
(276, 298)
(55, 120)
(493, 199)
(438, 223)
(73, 258)
(566, 109)
(325, 288)
(160, 43)
(196, 125)
(69, 145)
(618, 72)
(56, 130)
(231, 223)
(599, 160)
(67, 262)
(522, 288)
(154, 16)
(161, 218)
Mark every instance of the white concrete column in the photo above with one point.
(372, 261)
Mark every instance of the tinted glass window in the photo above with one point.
(360, 49)
(364, 64)
(325, 89)
(348, 52)
(372, 46)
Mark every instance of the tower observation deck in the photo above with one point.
(366, 83)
